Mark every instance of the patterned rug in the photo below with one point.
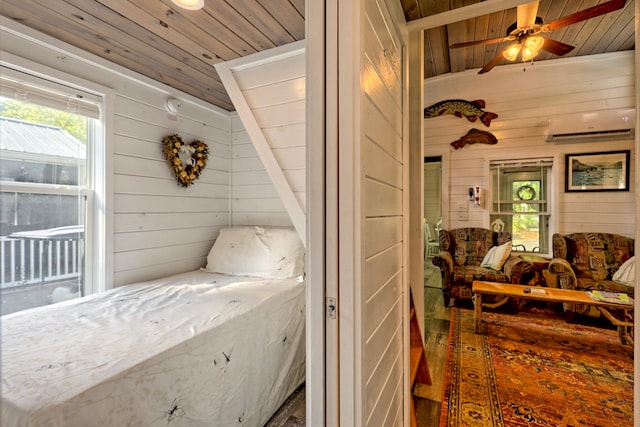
(529, 370)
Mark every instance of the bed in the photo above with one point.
(221, 346)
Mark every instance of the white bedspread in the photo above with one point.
(192, 350)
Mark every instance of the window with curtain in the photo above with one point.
(51, 134)
(520, 202)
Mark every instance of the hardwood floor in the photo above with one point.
(292, 412)
(436, 322)
(428, 398)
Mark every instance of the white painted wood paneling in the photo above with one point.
(523, 101)
(254, 199)
(268, 91)
(154, 227)
(381, 176)
(145, 186)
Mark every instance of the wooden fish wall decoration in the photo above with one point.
(475, 136)
(472, 110)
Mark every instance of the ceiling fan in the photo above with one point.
(526, 34)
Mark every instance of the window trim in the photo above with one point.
(99, 222)
(56, 95)
(549, 197)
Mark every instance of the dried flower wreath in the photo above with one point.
(185, 160)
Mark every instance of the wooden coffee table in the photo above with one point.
(623, 321)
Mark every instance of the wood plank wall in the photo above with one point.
(523, 100)
(158, 228)
(254, 199)
(381, 175)
(275, 92)
(268, 91)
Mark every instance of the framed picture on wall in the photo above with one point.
(603, 171)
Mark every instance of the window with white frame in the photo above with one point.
(521, 202)
(52, 141)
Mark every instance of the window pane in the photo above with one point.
(519, 201)
(42, 204)
(526, 232)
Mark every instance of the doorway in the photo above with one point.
(432, 217)
(436, 313)
(432, 197)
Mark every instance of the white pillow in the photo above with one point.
(497, 256)
(626, 274)
(270, 253)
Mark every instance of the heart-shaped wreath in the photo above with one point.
(185, 160)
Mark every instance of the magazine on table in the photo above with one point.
(612, 297)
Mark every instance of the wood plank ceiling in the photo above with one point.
(164, 42)
(180, 47)
(607, 33)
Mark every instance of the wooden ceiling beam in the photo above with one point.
(463, 13)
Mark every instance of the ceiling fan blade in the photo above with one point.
(556, 47)
(527, 14)
(478, 42)
(588, 13)
(494, 61)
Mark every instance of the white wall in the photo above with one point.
(523, 100)
(154, 227)
(254, 199)
(380, 170)
(160, 227)
(268, 90)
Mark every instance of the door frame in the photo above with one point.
(322, 383)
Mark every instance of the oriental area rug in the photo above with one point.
(535, 370)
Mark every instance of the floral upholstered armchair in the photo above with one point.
(592, 261)
(462, 252)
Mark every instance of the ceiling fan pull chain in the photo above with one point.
(525, 64)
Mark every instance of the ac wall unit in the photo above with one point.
(592, 126)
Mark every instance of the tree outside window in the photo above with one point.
(520, 201)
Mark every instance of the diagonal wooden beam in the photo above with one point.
(256, 134)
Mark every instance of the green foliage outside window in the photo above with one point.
(526, 191)
(75, 124)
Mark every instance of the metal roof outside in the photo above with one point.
(30, 138)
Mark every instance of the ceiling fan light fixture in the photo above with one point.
(531, 47)
(189, 4)
(528, 54)
(511, 53)
(534, 43)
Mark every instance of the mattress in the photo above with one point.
(194, 349)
